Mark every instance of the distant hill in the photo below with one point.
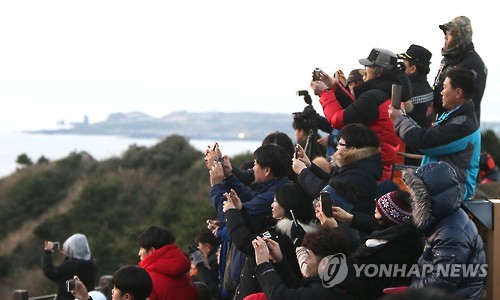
(204, 125)
(213, 125)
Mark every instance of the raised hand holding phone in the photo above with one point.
(326, 204)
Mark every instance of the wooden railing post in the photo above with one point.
(20, 295)
(493, 255)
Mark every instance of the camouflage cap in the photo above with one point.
(460, 28)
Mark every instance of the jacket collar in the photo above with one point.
(353, 155)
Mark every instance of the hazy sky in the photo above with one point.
(61, 60)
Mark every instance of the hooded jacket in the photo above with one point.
(369, 108)
(461, 54)
(78, 262)
(452, 239)
(168, 268)
(455, 139)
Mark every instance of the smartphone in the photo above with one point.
(397, 93)
(316, 74)
(70, 285)
(56, 246)
(326, 204)
(293, 218)
(297, 151)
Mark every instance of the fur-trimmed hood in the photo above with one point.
(435, 193)
(352, 155)
(285, 226)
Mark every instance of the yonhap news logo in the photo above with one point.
(333, 269)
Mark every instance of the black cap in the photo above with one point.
(417, 53)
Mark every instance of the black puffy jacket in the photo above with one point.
(452, 240)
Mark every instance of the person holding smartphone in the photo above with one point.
(290, 202)
(77, 262)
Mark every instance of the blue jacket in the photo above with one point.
(257, 198)
(455, 139)
(452, 239)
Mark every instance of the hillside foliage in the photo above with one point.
(110, 201)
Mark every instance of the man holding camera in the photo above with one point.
(369, 103)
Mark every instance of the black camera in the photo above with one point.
(316, 74)
(192, 249)
(305, 94)
(221, 160)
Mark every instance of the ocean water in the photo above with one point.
(55, 147)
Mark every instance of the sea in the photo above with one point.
(55, 147)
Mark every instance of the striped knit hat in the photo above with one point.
(392, 210)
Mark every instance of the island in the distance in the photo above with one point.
(203, 125)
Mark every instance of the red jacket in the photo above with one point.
(370, 109)
(168, 268)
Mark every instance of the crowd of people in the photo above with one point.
(309, 220)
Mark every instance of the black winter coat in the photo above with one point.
(279, 283)
(467, 59)
(403, 247)
(242, 233)
(359, 170)
(84, 269)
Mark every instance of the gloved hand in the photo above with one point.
(297, 234)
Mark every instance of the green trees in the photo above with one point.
(23, 160)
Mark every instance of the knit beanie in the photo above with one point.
(392, 210)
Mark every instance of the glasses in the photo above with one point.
(339, 144)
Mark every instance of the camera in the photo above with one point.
(192, 249)
(266, 235)
(305, 94)
(56, 246)
(70, 285)
(316, 74)
(221, 160)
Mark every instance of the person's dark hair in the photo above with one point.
(422, 69)
(327, 241)
(206, 236)
(292, 196)
(461, 78)
(359, 136)
(133, 280)
(306, 120)
(281, 139)
(155, 237)
(274, 157)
